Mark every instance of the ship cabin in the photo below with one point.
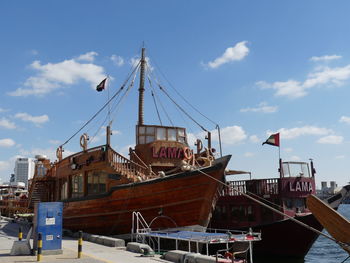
(287, 193)
(162, 148)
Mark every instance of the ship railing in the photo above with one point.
(10, 207)
(125, 166)
(260, 187)
(234, 188)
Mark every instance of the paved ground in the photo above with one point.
(92, 253)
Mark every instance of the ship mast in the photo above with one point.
(142, 86)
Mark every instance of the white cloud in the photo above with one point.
(7, 143)
(263, 107)
(249, 154)
(331, 139)
(5, 123)
(288, 150)
(49, 152)
(4, 165)
(301, 131)
(322, 76)
(89, 56)
(235, 53)
(294, 158)
(53, 76)
(34, 119)
(325, 58)
(3, 110)
(289, 88)
(135, 60)
(230, 135)
(254, 139)
(345, 119)
(54, 142)
(338, 157)
(117, 60)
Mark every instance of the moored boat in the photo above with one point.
(280, 235)
(163, 178)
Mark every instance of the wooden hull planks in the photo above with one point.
(186, 198)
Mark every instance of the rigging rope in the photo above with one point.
(179, 94)
(114, 108)
(154, 100)
(104, 106)
(189, 116)
(161, 105)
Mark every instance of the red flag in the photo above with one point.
(274, 140)
(101, 86)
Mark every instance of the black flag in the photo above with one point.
(101, 86)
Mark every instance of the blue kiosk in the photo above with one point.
(48, 222)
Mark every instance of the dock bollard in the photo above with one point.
(40, 245)
(20, 234)
(80, 244)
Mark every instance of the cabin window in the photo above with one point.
(181, 135)
(96, 182)
(148, 134)
(171, 135)
(296, 169)
(64, 190)
(300, 203)
(77, 185)
(288, 203)
(161, 134)
(149, 138)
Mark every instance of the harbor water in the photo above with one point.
(322, 251)
(325, 250)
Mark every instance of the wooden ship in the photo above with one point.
(163, 179)
(281, 237)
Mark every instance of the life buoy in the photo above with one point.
(187, 153)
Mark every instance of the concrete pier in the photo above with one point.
(92, 252)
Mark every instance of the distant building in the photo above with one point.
(326, 191)
(24, 170)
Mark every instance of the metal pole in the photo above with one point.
(40, 245)
(80, 244)
(20, 234)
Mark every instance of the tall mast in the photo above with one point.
(142, 86)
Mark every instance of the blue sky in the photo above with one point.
(254, 67)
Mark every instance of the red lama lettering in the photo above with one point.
(154, 153)
(172, 152)
(162, 153)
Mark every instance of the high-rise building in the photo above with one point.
(24, 170)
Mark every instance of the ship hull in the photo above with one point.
(179, 200)
(286, 238)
